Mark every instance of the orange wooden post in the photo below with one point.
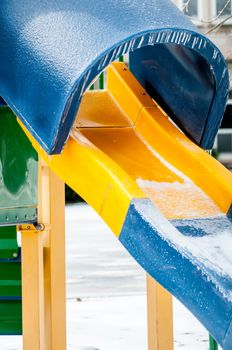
(51, 211)
(43, 269)
(160, 317)
(32, 289)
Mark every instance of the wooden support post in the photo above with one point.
(160, 317)
(32, 290)
(43, 268)
(51, 211)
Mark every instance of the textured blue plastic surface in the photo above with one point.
(52, 50)
(163, 253)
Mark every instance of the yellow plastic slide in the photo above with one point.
(166, 199)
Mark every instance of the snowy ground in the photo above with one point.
(106, 301)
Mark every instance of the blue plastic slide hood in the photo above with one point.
(52, 50)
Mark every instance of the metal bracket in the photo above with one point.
(33, 228)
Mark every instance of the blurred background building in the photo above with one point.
(214, 18)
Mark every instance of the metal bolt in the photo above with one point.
(40, 227)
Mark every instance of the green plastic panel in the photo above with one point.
(212, 344)
(10, 279)
(18, 204)
(10, 317)
(18, 172)
(8, 243)
(10, 297)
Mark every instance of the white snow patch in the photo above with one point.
(193, 192)
(187, 192)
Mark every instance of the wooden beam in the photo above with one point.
(160, 317)
(51, 211)
(32, 290)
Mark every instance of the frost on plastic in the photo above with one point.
(210, 253)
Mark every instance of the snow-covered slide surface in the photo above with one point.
(192, 260)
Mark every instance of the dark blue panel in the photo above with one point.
(2, 102)
(181, 80)
(163, 252)
(52, 50)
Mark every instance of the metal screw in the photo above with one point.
(40, 227)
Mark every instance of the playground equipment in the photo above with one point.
(131, 151)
